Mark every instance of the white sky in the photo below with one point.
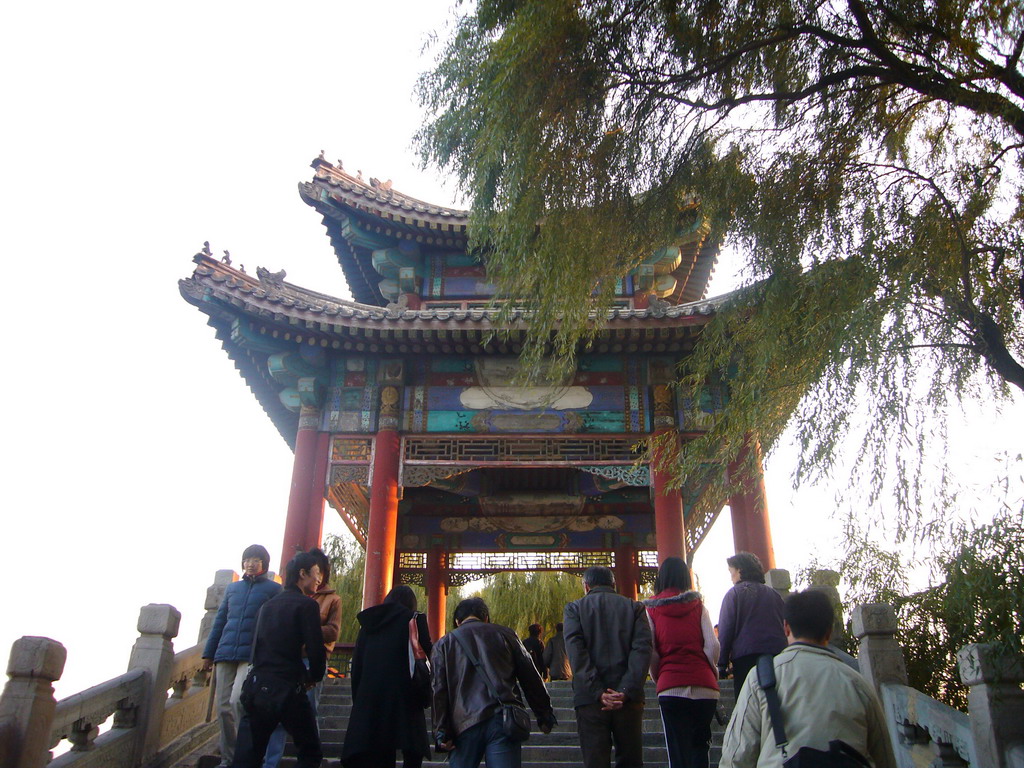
(135, 461)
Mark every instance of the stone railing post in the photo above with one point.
(880, 657)
(154, 653)
(827, 581)
(995, 703)
(779, 580)
(214, 595)
(27, 706)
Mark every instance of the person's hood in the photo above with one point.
(383, 616)
(674, 603)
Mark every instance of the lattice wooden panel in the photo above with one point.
(647, 558)
(549, 449)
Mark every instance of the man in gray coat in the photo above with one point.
(608, 639)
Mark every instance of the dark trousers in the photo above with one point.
(741, 668)
(599, 730)
(687, 730)
(298, 719)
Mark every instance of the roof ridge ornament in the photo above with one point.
(396, 308)
(273, 282)
(658, 307)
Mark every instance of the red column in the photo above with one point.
(315, 520)
(751, 529)
(669, 529)
(437, 592)
(296, 523)
(382, 529)
(627, 571)
(395, 575)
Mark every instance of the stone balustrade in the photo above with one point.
(926, 732)
(78, 717)
(161, 707)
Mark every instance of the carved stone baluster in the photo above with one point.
(948, 757)
(83, 734)
(779, 580)
(27, 706)
(995, 703)
(214, 595)
(178, 688)
(880, 658)
(201, 678)
(126, 715)
(154, 653)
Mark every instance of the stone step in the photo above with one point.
(562, 735)
(560, 748)
(534, 756)
(336, 712)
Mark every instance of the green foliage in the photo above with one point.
(864, 157)
(518, 600)
(977, 597)
(348, 561)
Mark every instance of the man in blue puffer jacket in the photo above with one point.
(230, 643)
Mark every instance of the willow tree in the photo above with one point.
(518, 600)
(863, 157)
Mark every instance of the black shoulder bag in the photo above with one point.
(267, 694)
(839, 754)
(515, 721)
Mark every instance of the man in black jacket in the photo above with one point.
(466, 715)
(275, 690)
(608, 640)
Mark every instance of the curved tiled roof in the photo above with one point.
(385, 212)
(253, 317)
(381, 200)
(257, 296)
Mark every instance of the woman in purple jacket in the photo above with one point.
(750, 622)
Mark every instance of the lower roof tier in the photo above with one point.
(455, 368)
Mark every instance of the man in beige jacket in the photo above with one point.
(822, 699)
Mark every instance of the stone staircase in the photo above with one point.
(558, 748)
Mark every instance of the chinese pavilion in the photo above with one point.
(404, 413)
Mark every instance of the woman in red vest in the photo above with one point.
(684, 664)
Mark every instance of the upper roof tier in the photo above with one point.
(389, 244)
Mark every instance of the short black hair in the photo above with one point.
(749, 566)
(535, 630)
(303, 561)
(324, 562)
(599, 576)
(403, 595)
(810, 615)
(471, 606)
(257, 550)
(673, 574)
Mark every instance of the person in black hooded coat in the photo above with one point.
(386, 716)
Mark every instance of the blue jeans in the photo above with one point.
(486, 740)
(275, 747)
